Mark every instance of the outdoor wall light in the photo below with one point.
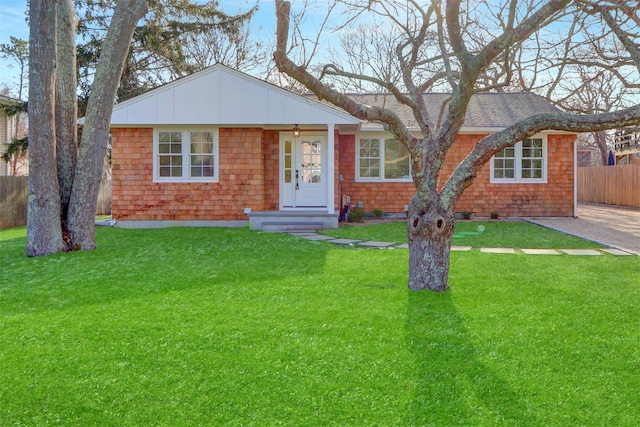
(296, 131)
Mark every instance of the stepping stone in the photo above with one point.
(403, 246)
(316, 237)
(540, 252)
(461, 248)
(343, 241)
(582, 252)
(498, 250)
(616, 252)
(374, 244)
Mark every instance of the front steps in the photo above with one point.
(292, 221)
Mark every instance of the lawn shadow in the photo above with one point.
(452, 383)
(136, 264)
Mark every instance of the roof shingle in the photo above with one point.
(485, 110)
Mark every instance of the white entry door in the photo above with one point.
(303, 171)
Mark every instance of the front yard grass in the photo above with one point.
(510, 234)
(206, 326)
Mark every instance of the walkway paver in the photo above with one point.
(310, 235)
(344, 241)
(316, 237)
(540, 252)
(498, 250)
(616, 252)
(374, 244)
(582, 252)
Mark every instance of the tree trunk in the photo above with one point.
(95, 135)
(44, 235)
(66, 104)
(601, 141)
(430, 231)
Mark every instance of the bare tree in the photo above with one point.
(44, 229)
(161, 47)
(240, 51)
(469, 44)
(66, 105)
(95, 135)
(586, 71)
(44, 235)
(18, 51)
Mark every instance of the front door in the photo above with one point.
(303, 171)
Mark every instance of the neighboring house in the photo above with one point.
(219, 148)
(627, 146)
(7, 130)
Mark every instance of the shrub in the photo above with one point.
(495, 215)
(378, 213)
(466, 214)
(356, 214)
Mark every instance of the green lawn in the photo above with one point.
(197, 326)
(515, 234)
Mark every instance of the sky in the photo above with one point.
(12, 23)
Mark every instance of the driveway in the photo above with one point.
(614, 226)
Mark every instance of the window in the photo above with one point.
(201, 152)
(369, 158)
(186, 155)
(526, 161)
(170, 154)
(382, 159)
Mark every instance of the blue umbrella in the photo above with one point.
(612, 160)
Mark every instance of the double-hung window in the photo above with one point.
(524, 162)
(186, 155)
(382, 159)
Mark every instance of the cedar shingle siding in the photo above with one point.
(248, 177)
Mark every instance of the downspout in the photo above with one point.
(575, 177)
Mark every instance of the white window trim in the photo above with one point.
(186, 168)
(518, 165)
(382, 137)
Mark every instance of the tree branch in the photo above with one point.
(356, 109)
(482, 152)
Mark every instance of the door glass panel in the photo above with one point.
(287, 162)
(311, 162)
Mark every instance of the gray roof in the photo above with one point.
(485, 110)
(8, 100)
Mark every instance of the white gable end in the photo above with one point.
(221, 96)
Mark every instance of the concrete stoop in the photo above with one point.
(292, 221)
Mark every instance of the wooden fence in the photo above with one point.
(104, 198)
(14, 192)
(610, 185)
